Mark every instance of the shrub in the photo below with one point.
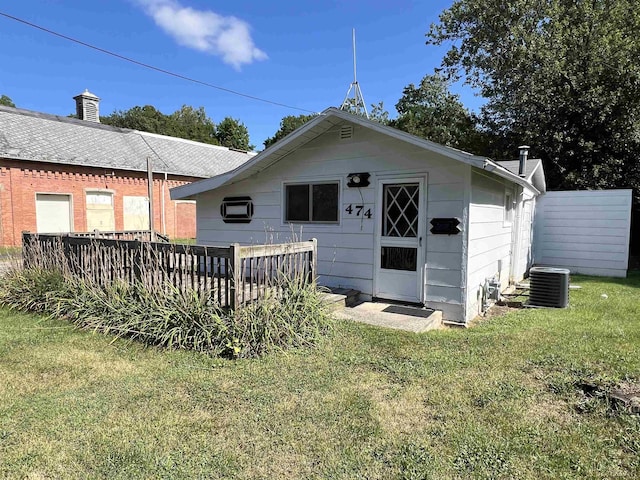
(169, 317)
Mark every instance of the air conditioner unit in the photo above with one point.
(549, 287)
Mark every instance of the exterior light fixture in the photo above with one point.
(358, 179)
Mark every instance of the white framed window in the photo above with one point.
(313, 202)
(509, 207)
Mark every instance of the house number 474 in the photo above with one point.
(358, 210)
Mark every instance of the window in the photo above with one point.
(312, 202)
(508, 208)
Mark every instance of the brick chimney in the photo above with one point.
(87, 107)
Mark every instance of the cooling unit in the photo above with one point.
(549, 287)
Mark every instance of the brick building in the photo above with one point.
(60, 174)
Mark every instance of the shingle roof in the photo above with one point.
(28, 135)
(514, 165)
(330, 118)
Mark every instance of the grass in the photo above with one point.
(500, 400)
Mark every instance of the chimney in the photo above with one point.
(524, 153)
(87, 107)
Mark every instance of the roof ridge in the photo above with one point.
(103, 126)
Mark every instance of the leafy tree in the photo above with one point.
(187, 122)
(431, 111)
(146, 119)
(287, 125)
(192, 123)
(6, 101)
(232, 133)
(560, 75)
(377, 112)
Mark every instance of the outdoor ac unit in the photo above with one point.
(549, 287)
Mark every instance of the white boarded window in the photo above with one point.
(135, 213)
(100, 215)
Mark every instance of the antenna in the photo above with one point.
(355, 104)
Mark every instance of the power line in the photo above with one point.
(151, 67)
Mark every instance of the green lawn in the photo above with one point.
(499, 400)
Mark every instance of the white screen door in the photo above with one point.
(399, 248)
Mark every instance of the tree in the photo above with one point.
(187, 122)
(232, 133)
(6, 101)
(431, 111)
(561, 75)
(377, 112)
(192, 123)
(146, 119)
(287, 125)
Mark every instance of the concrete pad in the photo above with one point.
(415, 319)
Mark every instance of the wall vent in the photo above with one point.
(346, 132)
(549, 287)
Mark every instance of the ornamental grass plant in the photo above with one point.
(291, 315)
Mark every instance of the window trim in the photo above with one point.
(311, 183)
(509, 207)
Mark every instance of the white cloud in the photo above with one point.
(227, 37)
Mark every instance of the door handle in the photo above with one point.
(420, 242)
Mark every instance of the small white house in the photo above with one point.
(396, 216)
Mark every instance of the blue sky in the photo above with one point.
(296, 53)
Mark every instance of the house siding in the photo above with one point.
(20, 181)
(490, 237)
(346, 250)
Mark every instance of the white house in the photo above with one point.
(396, 216)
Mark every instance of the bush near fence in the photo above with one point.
(113, 289)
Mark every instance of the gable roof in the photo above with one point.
(319, 125)
(533, 172)
(40, 137)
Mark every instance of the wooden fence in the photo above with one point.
(142, 235)
(231, 276)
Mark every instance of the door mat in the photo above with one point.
(412, 311)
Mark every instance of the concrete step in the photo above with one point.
(338, 298)
(392, 315)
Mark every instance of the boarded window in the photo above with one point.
(312, 202)
(135, 213)
(100, 214)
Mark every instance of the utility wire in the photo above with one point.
(151, 67)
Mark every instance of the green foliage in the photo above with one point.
(7, 102)
(192, 123)
(232, 133)
(287, 125)
(377, 111)
(187, 122)
(367, 402)
(170, 317)
(430, 111)
(561, 76)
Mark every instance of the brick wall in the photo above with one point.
(20, 181)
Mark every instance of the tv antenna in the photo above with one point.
(356, 103)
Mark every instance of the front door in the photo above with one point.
(399, 248)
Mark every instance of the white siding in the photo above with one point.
(490, 237)
(584, 231)
(524, 251)
(346, 250)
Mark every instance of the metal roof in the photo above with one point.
(40, 137)
(317, 126)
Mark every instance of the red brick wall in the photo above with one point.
(20, 181)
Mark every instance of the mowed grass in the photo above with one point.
(500, 400)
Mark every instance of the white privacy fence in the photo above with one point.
(586, 231)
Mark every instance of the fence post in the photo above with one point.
(137, 260)
(314, 261)
(235, 281)
(26, 246)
